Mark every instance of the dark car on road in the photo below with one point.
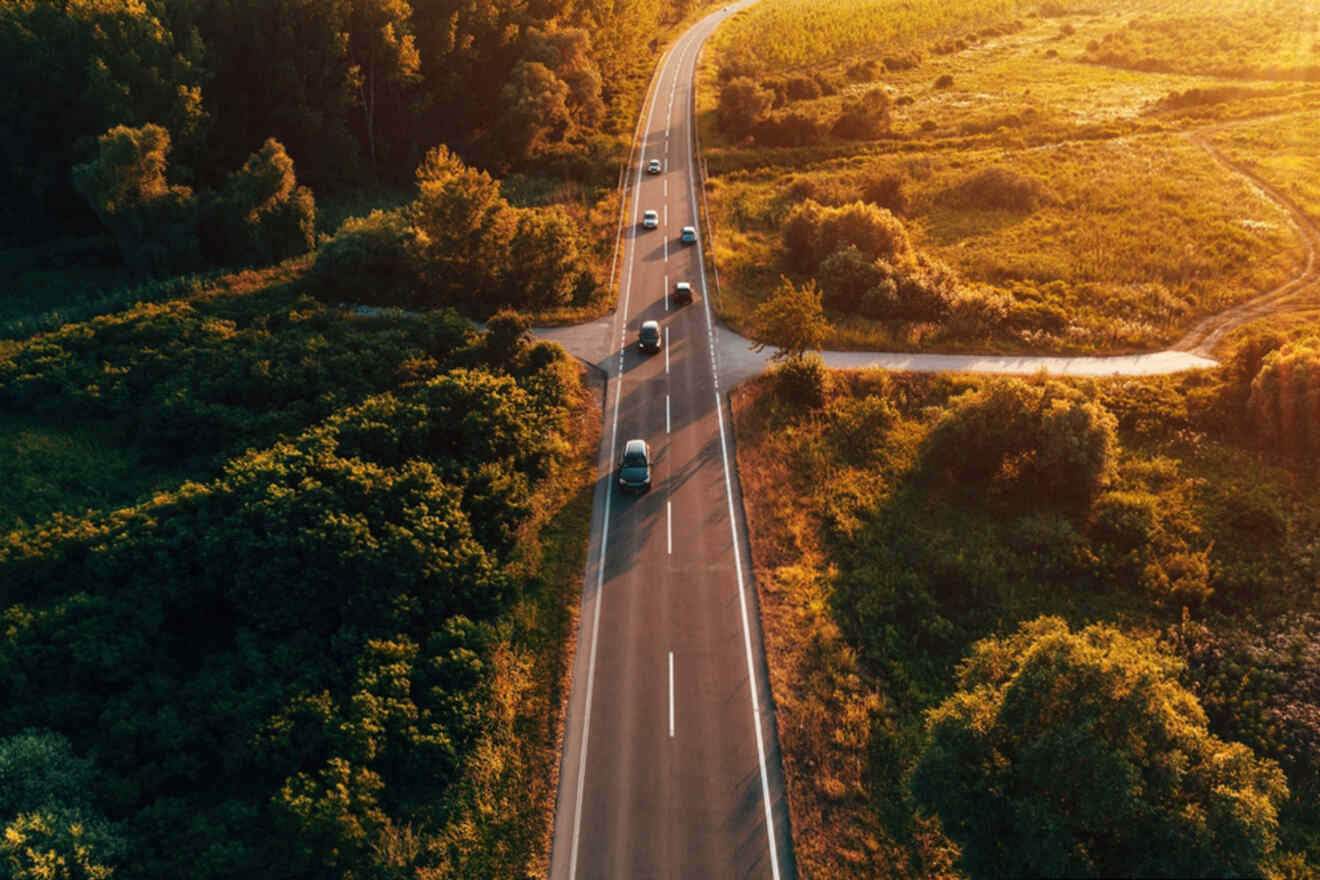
(649, 337)
(635, 467)
(682, 292)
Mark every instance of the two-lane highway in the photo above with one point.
(670, 766)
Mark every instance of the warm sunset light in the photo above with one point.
(601, 439)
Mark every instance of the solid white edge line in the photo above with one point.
(604, 535)
(667, 416)
(671, 694)
(669, 527)
(728, 489)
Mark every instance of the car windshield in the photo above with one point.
(634, 459)
(648, 332)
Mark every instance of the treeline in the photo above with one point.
(283, 669)
(354, 90)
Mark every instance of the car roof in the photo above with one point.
(633, 447)
(655, 161)
(652, 214)
(683, 284)
(651, 325)
(689, 229)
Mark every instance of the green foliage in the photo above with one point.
(72, 71)
(866, 118)
(153, 222)
(802, 381)
(998, 189)
(59, 843)
(261, 215)
(368, 261)
(1284, 404)
(792, 319)
(1046, 440)
(743, 104)
(244, 730)
(812, 232)
(1149, 791)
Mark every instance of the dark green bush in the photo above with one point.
(803, 381)
(1048, 441)
(368, 261)
(998, 188)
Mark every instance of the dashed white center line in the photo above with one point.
(666, 336)
(666, 413)
(671, 694)
(669, 527)
(666, 189)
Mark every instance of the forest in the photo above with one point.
(353, 91)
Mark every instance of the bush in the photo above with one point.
(742, 105)
(812, 232)
(1141, 764)
(1046, 440)
(1284, 405)
(887, 191)
(153, 222)
(802, 88)
(863, 71)
(261, 215)
(913, 290)
(998, 188)
(368, 261)
(895, 63)
(865, 118)
(793, 129)
(803, 381)
(944, 81)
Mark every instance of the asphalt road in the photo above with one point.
(670, 766)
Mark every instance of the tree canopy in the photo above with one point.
(1080, 754)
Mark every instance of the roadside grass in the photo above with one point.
(1282, 151)
(1143, 236)
(503, 806)
(68, 467)
(874, 582)
(1146, 233)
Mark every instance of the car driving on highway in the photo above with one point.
(650, 220)
(649, 337)
(653, 167)
(682, 292)
(689, 235)
(635, 467)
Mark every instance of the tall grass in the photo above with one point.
(777, 34)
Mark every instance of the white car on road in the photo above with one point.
(650, 220)
(654, 167)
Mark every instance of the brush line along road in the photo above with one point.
(670, 766)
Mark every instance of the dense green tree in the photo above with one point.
(1045, 439)
(1080, 754)
(462, 228)
(282, 69)
(153, 222)
(71, 71)
(791, 319)
(385, 59)
(743, 103)
(261, 215)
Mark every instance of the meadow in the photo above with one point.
(884, 552)
(1132, 230)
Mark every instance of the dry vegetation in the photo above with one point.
(1139, 232)
(876, 574)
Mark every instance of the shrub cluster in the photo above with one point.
(1047, 441)
(1142, 764)
(460, 244)
(998, 188)
(282, 671)
(1284, 405)
(812, 232)
(865, 118)
(259, 216)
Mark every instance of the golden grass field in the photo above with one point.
(1146, 233)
